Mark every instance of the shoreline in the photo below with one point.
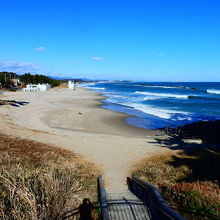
(75, 120)
(125, 116)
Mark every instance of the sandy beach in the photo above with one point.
(74, 120)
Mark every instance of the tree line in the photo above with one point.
(6, 79)
(27, 78)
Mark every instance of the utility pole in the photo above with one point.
(10, 78)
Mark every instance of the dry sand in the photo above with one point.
(74, 120)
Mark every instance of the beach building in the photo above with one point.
(44, 87)
(36, 87)
(71, 85)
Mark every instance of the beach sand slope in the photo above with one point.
(74, 120)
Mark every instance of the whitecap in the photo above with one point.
(166, 95)
(158, 112)
(166, 87)
(99, 88)
(214, 91)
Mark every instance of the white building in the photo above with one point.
(71, 85)
(44, 87)
(36, 87)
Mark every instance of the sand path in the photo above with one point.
(75, 121)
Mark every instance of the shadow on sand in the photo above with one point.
(13, 103)
(84, 212)
(202, 159)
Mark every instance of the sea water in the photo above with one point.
(158, 104)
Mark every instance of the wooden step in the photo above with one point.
(124, 205)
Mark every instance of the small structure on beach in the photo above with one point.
(44, 87)
(71, 85)
(15, 82)
(36, 87)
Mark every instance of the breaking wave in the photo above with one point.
(99, 88)
(161, 113)
(166, 95)
(214, 91)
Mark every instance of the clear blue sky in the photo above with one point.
(153, 40)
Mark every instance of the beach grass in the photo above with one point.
(38, 181)
(191, 181)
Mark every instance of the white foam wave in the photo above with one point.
(120, 99)
(86, 85)
(99, 88)
(166, 95)
(90, 86)
(166, 87)
(214, 91)
(117, 96)
(158, 112)
(161, 113)
(152, 111)
(151, 98)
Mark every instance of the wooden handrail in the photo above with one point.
(102, 199)
(152, 198)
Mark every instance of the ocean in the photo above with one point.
(154, 105)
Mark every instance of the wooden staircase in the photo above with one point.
(139, 201)
(125, 206)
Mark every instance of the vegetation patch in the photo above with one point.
(198, 200)
(191, 182)
(27, 78)
(38, 181)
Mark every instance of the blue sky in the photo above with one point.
(150, 40)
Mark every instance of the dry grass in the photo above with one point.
(196, 200)
(157, 171)
(38, 181)
(190, 180)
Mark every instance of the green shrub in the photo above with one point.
(193, 200)
(201, 199)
